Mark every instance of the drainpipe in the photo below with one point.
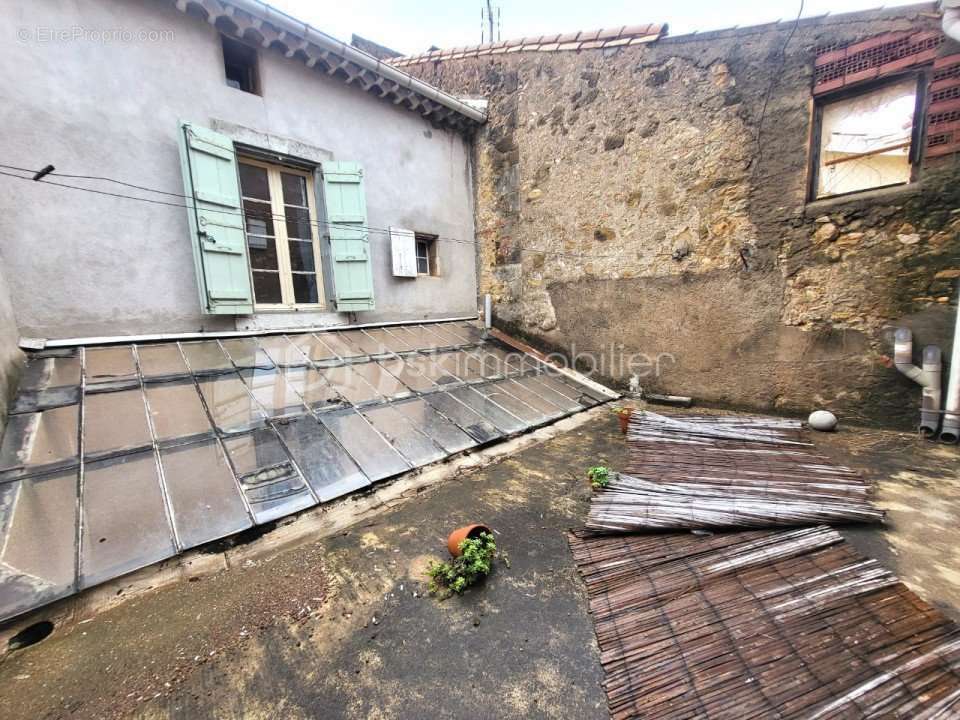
(927, 376)
(951, 18)
(951, 419)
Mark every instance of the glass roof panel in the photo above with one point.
(475, 425)
(270, 482)
(273, 393)
(407, 374)
(282, 351)
(484, 406)
(314, 348)
(176, 411)
(441, 430)
(406, 437)
(109, 364)
(114, 421)
(203, 492)
(38, 524)
(375, 456)
(245, 353)
(40, 373)
(500, 393)
(233, 408)
(206, 357)
(312, 387)
(125, 524)
(329, 469)
(161, 361)
(41, 438)
(390, 341)
(350, 384)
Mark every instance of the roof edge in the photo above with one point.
(555, 42)
(302, 40)
(826, 18)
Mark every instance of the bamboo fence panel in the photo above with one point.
(762, 624)
(712, 472)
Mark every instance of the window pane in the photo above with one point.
(266, 287)
(301, 256)
(422, 250)
(305, 287)
(865, 140)
(423, 267)
(294, 189)
(298, 222)
(253, 182)
(263, 252)
(259, 217)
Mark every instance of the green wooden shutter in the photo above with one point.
(216, 223)
(349, 243)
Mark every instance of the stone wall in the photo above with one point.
(652, 199)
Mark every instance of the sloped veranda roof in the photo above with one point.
(117, 457)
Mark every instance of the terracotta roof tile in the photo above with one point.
(581, 40)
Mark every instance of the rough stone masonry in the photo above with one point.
(653, 199)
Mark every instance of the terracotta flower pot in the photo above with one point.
(624, 417)
(461, 534)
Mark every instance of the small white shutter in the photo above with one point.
(403, 247)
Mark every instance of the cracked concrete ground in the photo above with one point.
(340, 628)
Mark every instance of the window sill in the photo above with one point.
(301, 310)
(896, 193)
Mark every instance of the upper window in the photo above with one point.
(426, 254)
(282, 237)
(866, 140)
(240, 66)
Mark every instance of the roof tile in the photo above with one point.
(580, 40)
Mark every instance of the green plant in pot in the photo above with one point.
(599, 477)
(474, 563)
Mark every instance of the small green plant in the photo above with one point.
(599, 476)
(475, 561)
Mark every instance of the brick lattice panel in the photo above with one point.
(873, 58)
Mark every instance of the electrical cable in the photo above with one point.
(316, 223)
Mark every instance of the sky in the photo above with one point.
(413, 26)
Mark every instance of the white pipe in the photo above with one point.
(487, 311)
(928, 377)
(951, 419)
(951, 18)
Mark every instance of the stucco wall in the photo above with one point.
(11, 359)
(631, 202)
(79, 264)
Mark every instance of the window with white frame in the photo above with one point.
(866, 138)
(282, 238)
(426, 254)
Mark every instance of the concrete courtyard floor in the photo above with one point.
(342, 627)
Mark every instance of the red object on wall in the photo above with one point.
(943, 113)
(890, 53)
(875, 57)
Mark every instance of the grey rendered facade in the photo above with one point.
(81, 264)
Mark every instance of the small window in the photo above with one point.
(282, 238)
(240, 66)
(426, 254)
(866, 140)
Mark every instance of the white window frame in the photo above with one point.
(282, 241)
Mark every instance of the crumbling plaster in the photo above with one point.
(653, 200)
